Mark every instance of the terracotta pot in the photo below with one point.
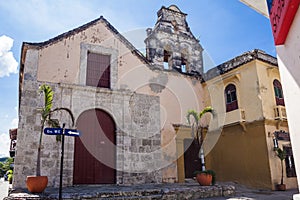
(281, 187)
(36, 184)
(204, 179)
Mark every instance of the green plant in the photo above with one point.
(281, 154)
(9, 175)
(46, 113)
(197, 129)
(6, 165)
(198, 133)
(209, 171)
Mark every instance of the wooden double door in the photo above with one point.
(95, 151)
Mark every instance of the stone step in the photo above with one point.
(137, 193)
(151, 197)
(143, 192)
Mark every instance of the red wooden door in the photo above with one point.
(95, 152)
(192, 161)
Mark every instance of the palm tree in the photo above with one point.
(46, 113)
(281, 154)
(197, 129)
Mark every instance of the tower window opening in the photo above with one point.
(183, 64)
(167, 56)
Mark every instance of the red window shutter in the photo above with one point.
(278, 93)
(98, 70)
(231, 98)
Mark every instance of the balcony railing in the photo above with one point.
(280, 113)
(235, 116)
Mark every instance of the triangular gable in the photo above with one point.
(82, 28)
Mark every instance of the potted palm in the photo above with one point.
(204, 177)
(281, 154)
(38, 183)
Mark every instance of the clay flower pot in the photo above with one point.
(36, 184)
(204, 179)
(281, 187)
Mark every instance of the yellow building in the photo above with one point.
(249, 116)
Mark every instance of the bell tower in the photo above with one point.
(170, 45)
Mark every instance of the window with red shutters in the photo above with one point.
(278, 93)
(98, 70)
(230, 97)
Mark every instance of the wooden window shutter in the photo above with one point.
(98, 70)
(278, 93)
(231, 98)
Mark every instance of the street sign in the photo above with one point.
(72, 132)
(59, 131)
(53, 131)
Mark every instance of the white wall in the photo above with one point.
(289, 66)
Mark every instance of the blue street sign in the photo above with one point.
(72, 132)
(53, 131)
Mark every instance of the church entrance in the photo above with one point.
(95, 150)
(192, 161)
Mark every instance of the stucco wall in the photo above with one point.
(266, 75)
(247, 86)
(289, 59)
(241, 157)
(274, 161)
(241, 142)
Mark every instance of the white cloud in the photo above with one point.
(14, 123)
(8, 64)
(48, 17)
(4, 144)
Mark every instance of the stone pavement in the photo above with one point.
(245, 193)
(3, 188)
(161, 191)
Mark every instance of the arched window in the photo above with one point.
(278, 93)
(230, 97)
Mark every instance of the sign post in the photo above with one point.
(63, 132)
(61, 162)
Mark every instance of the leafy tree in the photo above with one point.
(1, 169)
(5, 166)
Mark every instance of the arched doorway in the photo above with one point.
(95, 152)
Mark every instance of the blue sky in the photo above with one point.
(226, 28)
